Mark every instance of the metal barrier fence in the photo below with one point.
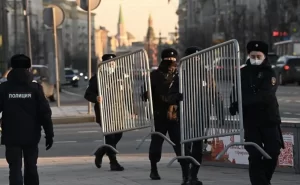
(207, 80)
(121, 83)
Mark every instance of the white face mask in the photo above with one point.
(256, 57)
(256, 62)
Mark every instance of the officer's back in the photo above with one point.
(24, 110)
(19, 97)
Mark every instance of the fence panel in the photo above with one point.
(121, 84)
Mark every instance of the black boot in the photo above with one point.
(194, 173)
(99, 156)
(114, 164)
(185, 173)
(154, 175)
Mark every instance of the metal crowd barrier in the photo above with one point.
(207, 80)
(121, 83)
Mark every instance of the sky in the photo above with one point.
(136, 13)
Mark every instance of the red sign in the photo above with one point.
(238, 154)
(279, 34)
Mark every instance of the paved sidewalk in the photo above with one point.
(71, 114)
(81, 171)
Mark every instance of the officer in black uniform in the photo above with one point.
(165, 105)
(205, 95)
(92, 95)
(24, 111)
(260, 113)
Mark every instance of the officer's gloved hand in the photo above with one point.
(233, 109)
(145, 96)
(49, 142)
(180, 97)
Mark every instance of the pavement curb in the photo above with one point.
(73, 120)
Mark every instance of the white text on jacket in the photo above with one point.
(19, 95)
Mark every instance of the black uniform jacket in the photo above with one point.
(24, 110)
(165, 94)
(259, 102)
(92, 92)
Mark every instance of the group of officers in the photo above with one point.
(260, 113)
(25, 110)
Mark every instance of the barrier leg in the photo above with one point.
(184, 157)
(265, 154)
(109, 147)
(189, 158)
(152, 133)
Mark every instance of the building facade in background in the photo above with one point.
(101, 42)
(4, 44)
(16, 28)
(75, 28)
(209, 22)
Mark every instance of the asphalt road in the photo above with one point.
(73, 95)
(83, 139)
(289, 101)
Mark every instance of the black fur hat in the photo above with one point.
(108, 56)
(191, 50)
(20, 61)
(169, 54)
(258, 46)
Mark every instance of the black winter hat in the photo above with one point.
(257, 46)
(20, 61)
(108, 56)
(191, 50)
(169, 54)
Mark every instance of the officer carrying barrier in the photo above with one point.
(121, 82)
(207, 79)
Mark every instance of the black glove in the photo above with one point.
(180, 97)
(233, 109)
(49, 142)
(145, 96)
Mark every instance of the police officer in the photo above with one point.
(164, 80)
(24, 110)
(260, 113)
(205, 95)
(92, 95)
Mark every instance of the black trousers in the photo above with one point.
(270, 139)
(164, 126)
(196, 150)
(14, 155)
(112, 140)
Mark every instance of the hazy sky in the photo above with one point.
(136, 14)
